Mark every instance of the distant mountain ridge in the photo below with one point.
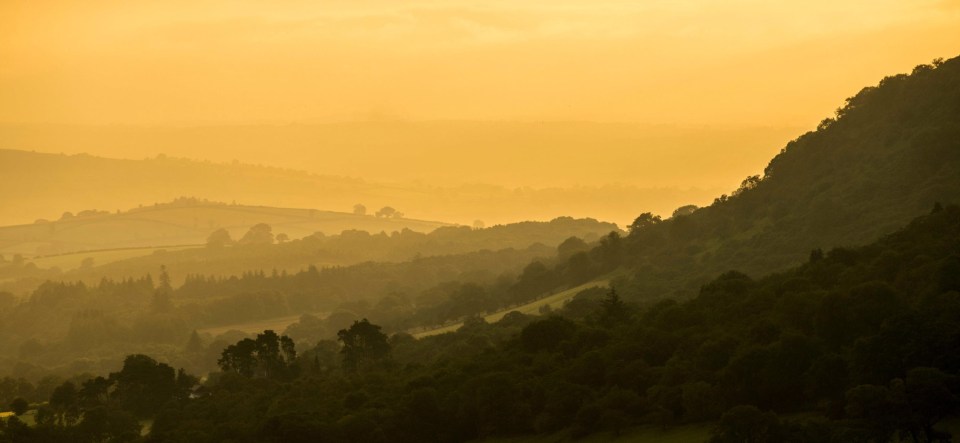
(41, 185)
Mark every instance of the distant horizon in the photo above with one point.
(399, 120)
(423, 210)
(444, 152)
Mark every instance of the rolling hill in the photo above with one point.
(183, 222)
(499, 171)
(889, 154)
(43, 186)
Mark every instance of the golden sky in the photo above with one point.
(716, 63)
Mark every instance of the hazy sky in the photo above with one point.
(188, 62)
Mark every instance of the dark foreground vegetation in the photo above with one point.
(865, 341)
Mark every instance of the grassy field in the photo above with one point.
(156, 226)
(278, 325)
(554, 300)
(145, 427)
(71, 261)
(29, 417)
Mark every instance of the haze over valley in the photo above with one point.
(566, 221)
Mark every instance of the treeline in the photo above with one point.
(90, 326)
(66, 323)
(349, 247)
(863, 342)
(138, 314)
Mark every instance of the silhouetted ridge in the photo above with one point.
(890, 153)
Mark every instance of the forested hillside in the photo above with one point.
(890, 153)
(267, 247)
(863, 342)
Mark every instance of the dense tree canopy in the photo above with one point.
(363, 345)
(862, 341)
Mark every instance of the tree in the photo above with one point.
(65, 404)
(184, 385)
(644, 221)
(571, 246)
(385, 211)
(747, 184)
(164, 280)
(259, 234)
(282, 238)
(270, 356)
(104, 424)
(144, 385)
(929, 399)
(219, 238)
(19, 406)
(94, 392)
(363, 345)
(700, 401)
(274, 353)
(684, 210)
(389, 212)
(581, 268)
(359, 209)
(534, 279)
(239, 358)
(610, 251)
(479, 224)
(876, 409)
(45, 417)
(614, 309)
(546, 334)
(162, 301)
